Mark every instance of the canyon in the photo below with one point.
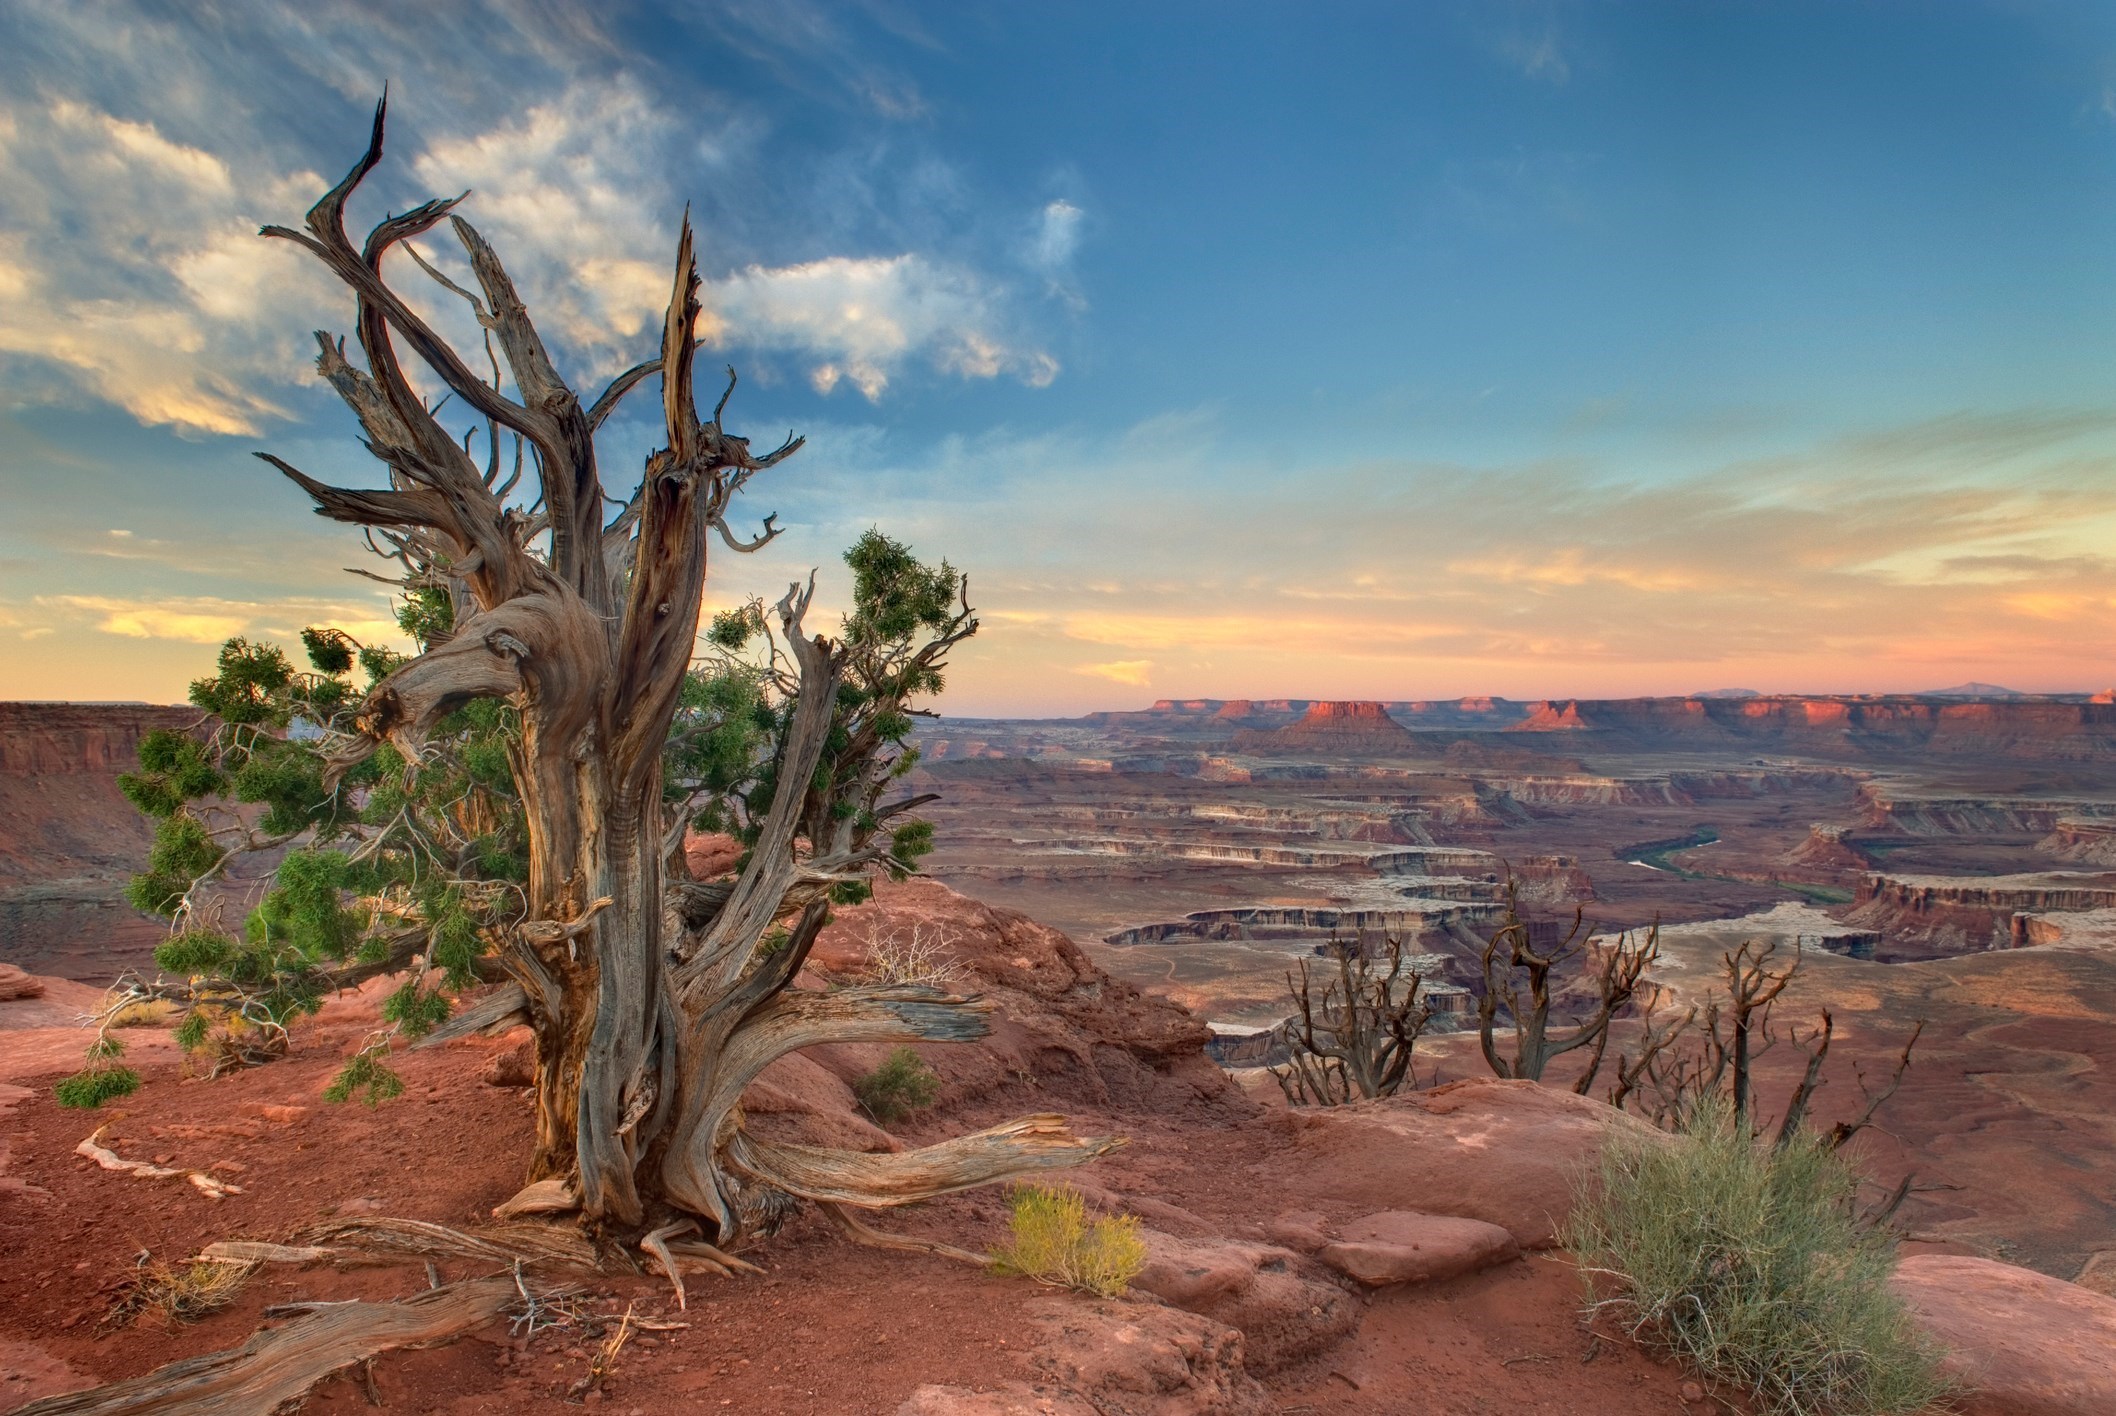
(1938, 860)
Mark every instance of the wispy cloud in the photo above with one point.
(1136, 672)
(862, 320)
(205, 620)
(1970, 546)
(1538, 51)
(130, 269)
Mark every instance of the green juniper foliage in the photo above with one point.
(104, 1079)
(721, 767)
(384, 870)
(416, 868)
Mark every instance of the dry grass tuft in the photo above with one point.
(146, 1013)
(177, 1293)
(1055, 1243)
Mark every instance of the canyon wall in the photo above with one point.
(69, 839)
(2043, 729)
(1938, 916)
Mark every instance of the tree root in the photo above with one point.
(714, 1255)
(504, 1244)
(281, 1364)
(93, 1149)
(243, 1251)
(855, 1229)
(656, 1244)
(543, 1197)
(878, 1181)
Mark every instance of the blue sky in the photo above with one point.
(1235, 350)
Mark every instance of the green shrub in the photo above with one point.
(1750, 1263)
(90, 1089)
(1053, 1242)
(365, 1078)
(901, 1085)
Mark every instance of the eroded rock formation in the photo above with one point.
(1335, 729)
(68, 838)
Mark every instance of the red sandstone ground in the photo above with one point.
(2007, 1108)
(831, 1328)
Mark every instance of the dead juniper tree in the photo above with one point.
(1664, 1079)
(1519, 980)
(1355, 1040)
(510, 801)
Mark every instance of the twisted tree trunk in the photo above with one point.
(647, 1028)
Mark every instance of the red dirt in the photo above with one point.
(830, 1329)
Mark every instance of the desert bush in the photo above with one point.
(925, 956)
(901, 1085)
(1055, 1243)
(1750, 1262)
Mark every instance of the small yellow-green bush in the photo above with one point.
(1055, 1243)
(1750, 1263)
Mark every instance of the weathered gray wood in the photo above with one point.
(280, 1365)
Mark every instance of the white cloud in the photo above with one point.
(131, 262)
(1057, 235)
(863, 319)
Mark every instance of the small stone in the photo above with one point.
(1692, 1393)
(1403, 1246)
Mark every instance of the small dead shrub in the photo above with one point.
(901, 1085)
(925, 956)
(1055, 1243)
(176, 1293)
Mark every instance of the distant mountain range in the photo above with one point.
(1990, 691)
(1977, 690)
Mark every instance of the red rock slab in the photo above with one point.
(1008, 1399)
(1403, 1246)
(1144, 1360)
(2024, 1343)
(1506, 1152)
(1190, 1273)
(1286, 1308)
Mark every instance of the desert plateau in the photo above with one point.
(1133, 888)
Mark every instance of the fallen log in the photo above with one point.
(280, 1365)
